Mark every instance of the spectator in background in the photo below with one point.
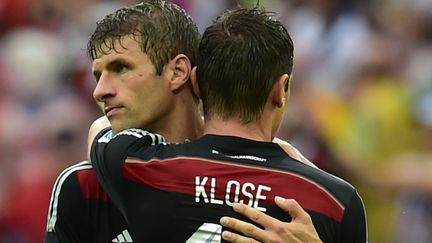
(48, 147)
(366, 107)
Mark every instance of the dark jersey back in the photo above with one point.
(81, 211)
(178, 193)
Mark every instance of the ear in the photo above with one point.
(179, 70)
(194, 80)
(280, 91)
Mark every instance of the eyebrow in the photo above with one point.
(117, 60)
(114, 61)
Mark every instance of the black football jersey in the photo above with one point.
(81, 211)
(178, 192)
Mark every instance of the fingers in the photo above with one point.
(245, 228)
(236, 238)
(289, 149)
(255, 215)
(293, 208)
(294, 153)
(300, 229)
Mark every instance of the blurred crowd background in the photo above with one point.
(361, 102)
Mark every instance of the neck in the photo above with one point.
(258, 131)
(183, 123)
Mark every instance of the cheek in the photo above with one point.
(149, 96)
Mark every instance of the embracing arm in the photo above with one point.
(97, 126)
(293, 151)
(300, 229)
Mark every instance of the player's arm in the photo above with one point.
(300, 229)
(109, 152)
(99, 125)
(66, 215)
(354, 225)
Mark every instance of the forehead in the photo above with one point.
(126, 47)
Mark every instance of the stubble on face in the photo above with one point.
(130, 90)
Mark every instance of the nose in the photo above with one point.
(104, 88)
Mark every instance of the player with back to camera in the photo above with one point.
(188, 187)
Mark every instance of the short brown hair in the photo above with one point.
(240, 57)
(163, 29)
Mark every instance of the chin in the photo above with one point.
(117, 127)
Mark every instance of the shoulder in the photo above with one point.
(80, 178)
(69, 176)
(115, 147)
(330, 182)
(66, 187)
(140, 134)
(341, 188)
(343, 192)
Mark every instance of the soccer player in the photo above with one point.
(242, 75)
(142, 82)
(143, 56)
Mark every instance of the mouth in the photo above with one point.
(111, 110)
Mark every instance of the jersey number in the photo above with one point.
(208, 233)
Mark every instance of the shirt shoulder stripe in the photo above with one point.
(139, 133)
(90, 187)
(154, 172)
(52, 211)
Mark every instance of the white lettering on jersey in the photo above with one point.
(249, 157)
(232, 191)
(200, 190)
(213, 200)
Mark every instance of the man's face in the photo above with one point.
(131, 93)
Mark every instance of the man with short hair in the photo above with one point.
(243, 76)
(143, 56)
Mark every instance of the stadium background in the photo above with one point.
(361, 104)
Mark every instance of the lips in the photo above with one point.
(111, 110)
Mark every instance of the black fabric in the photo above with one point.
(78, 217)
(170, 193)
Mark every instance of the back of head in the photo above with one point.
(240, 57)
(163, 29)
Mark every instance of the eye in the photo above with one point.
(120, 68)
